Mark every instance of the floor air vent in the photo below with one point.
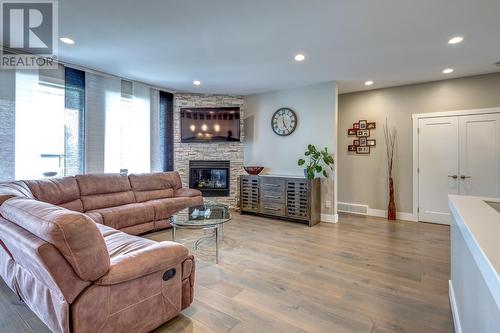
(352, 208)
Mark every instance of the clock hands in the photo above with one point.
(284, 122)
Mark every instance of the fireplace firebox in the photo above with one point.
(210, 177)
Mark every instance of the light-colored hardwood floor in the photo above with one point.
(362, 275)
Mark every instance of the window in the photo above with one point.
(48, 128)
(127, 130)
(63, 122)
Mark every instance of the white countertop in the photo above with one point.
(482, 222)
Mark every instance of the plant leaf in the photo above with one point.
(310, 175)
(301, 161)
(307, 153)
(318, 168)
(325, 173)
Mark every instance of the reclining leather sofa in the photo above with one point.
(66, 249)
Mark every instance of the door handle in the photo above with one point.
(453, 176)
(464, 177)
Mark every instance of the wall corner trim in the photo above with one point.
(454, 308)
(330, 218)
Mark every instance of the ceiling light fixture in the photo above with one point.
(368, 83)
(300, 57)
(67, 40)
(197, 82)
(448, 70)
(455, 40)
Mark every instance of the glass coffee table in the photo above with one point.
(209, 216)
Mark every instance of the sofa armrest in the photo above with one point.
(95, 216)
(133, 265)
(187, 192)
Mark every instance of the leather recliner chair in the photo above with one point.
(80, 276)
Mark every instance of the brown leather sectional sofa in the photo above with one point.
(66, 249)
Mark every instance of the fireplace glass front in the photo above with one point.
(210, 177)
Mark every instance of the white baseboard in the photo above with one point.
(454, 308)
(358, 209)
(399, 215)
(329, 218)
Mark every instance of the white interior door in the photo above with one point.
(479, 155)
(438, 167)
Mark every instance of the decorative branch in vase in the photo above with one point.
(390, 142)
(318, 162)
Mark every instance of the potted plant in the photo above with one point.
(316, 162)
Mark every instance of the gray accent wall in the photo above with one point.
(363, 179)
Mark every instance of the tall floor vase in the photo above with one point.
(391, 210)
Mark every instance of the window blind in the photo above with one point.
(66, 121)
(74, 131)
(7, 124)
(155, 149)
(166, 129)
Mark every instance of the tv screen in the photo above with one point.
(210, 124)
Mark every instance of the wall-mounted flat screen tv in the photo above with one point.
(210, 124)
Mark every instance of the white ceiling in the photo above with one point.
(247, 46)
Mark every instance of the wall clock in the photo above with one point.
(284, 121)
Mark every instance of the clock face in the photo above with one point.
(284, 122)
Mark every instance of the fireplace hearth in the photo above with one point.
(210, 177)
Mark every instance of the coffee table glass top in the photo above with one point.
(208, 214)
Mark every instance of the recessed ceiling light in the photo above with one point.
(448, 70)
(197, 82)
(300, 57)
(67, 40)
(455, 40)
(368, 83)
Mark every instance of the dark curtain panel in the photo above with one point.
(74, 129)
(167, 130)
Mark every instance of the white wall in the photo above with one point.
(316, 109)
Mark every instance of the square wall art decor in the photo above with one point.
(362, 144)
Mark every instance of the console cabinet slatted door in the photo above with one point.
(297, 199)
(250, 193)
(291, 198)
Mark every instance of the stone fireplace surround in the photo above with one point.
(230, 151)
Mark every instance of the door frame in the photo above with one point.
(415, 119)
